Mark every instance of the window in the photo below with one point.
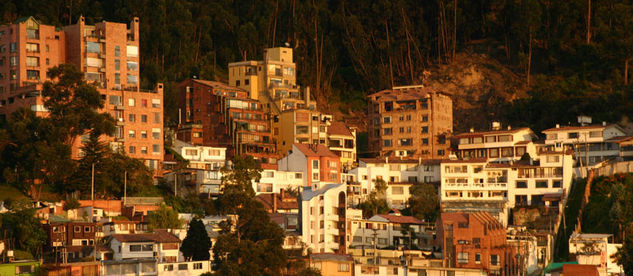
(156, 149)
(386, 143)
(117, 78)
(572, 135)
(77, 229)
(556, 184)
(132, 66)
(117, 64)
(553, 159)
(169, 267)
(425, 129)
(493, 153)
(32, 48)
(494, 259)
(33, 74)
(521, 184)
(197, 266)
(157, 117)
(132, 149)
(93, 47)
(462, 257)
(131, 133)
(132, 51)
(520, 151)
(541, 184)
(143, 118)
(131, 102)
(343, 267)
(136, 248)
(144, 150)
(155, 102)
(595, 134)
(48, 62)
(406, 142)
(117, 51)
(132, 79)
(143, 134)
(477, 258)
(156, 133)
(425, 141)
(386, 120)
(131, 118)
(505, 138)
(13, 75)
(13, 47)
(116, 100)
(507, 152)
(397, 190)
(13, 61)
(387, 131)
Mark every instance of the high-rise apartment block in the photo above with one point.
(219, 115)
(108, 54)
(410, 121)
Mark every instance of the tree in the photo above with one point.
(309, 271)
(424, 202)
(24, 229)
(376, 202)
(624, 255)
(164, 218)
(254, 243)
(197, 244)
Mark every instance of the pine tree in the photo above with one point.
(197, 244)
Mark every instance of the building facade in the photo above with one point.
(323, 218)
(316, 163)
(108, 55)
(410, 121)
(591, 143)
(219, 115)
(475, 240)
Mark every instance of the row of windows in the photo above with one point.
(170, 267)
(401, 118)
(155, 134)
(155, 149)
(488, 139)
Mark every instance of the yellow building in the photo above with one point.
(342, 141)
(332, 264)
(272, 81)
(303, 126)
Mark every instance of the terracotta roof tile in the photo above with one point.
(561, 128)
(338, 128)
(401, 219)
(490, 132)
(312, 150)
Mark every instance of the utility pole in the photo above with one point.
(125, 188)
(92, 193)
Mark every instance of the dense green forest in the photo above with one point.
(572, 56)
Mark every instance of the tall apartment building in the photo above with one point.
(219, 115)
(107, 53)
(272, 81)
(323, 218)
(410, 121)
(591, 143)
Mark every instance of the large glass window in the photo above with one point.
(33, 47)
(132, 66)
(93, 47)
(132, 79)
(33, 74)
(32, 61)
(117, 51)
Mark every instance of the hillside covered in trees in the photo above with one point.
(529, 62)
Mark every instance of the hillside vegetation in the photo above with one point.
(515, 61)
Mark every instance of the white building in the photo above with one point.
(399, 174)
(273, 181)
(595, 249)
(323, 218)
(500, 146)
(480, 185)
(202, 174)
(591, 144)
(160, 245)
(386, 230)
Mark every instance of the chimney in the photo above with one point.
(387, 159)
(604, 123)
(472, 129)
(419, 160)
(307, 95)
(557, 125)
(509, 127)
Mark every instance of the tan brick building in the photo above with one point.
(108, 55)
(410, 121)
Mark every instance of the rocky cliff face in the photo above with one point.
(479, 85)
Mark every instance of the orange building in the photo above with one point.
(108, 55)
(474, 240)
(410, 121)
